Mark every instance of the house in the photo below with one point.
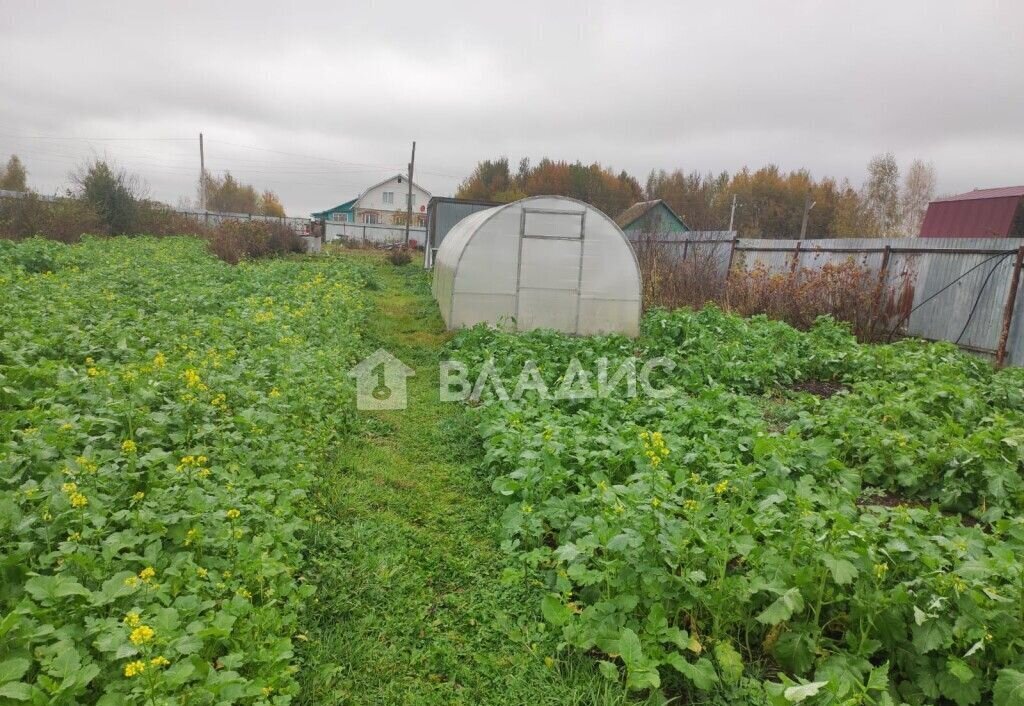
(982, 213)
(381, 204)
(650, 217)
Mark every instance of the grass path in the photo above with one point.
(411, 608)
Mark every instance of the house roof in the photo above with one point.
(997, 193)
(385, 181)
(340, 208)
(349, 206)
(982, 213)
(638, 210)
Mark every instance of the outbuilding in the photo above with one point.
(542, 262)
(982, 213)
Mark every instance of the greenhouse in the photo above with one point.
(542, 262)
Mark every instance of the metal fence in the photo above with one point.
(371, 233)
(298, 224)
(965, 290)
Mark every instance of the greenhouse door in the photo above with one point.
(550, 261)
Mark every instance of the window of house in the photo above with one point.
(370, 218)
(389, 197)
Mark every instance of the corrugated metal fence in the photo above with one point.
(965, 290)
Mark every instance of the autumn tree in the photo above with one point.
(270, 205)
(882, 192)
(14, 176)
(918, 190)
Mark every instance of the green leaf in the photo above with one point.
(47, 589)
(555, 612)
(701, 673)
(630, 648)
(19, 691)
(729, 661)
(13, 669)
(1009, 688)
(783, 608)
(843, 572)
(608, 670)
(932, 635)
(796, 694)
(643, 678)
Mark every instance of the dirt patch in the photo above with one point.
(819, 388)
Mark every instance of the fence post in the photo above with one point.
(1011, 301)
(686, 247)
(796, 257)
(732, 254)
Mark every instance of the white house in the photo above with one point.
(382, 204)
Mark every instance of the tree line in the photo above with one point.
(224, 193)
(769, 202)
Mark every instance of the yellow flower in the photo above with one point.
(131, 581)
(201, 572)
(244, 593)
(691, 505)
(128, 446)
(147, 574)
(159, 661)
(92, 372)
(132, 620)
(135, 668)
(74, 536)
(69, 488)
(881, 570)
(159, 360)
(191, 535)
(549, 662)
(267, 691)
(79, 501)
(90, 361)
(141, 635)
(720, 488)
(67, 426)
(233, 514)
(138, 497)
(274, 392)
(527, 509)
(655, 503)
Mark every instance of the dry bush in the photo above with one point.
(677, 275)
(234, 241)
(156, 219)
(64, 220)
(399, 256)
(848, 291)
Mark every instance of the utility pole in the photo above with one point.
(808, 205)
(202, 174)
(732, 213)
(408, 201)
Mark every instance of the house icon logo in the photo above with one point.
(380, 381)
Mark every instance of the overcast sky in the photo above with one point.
(319, 100)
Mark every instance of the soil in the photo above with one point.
(820, 388)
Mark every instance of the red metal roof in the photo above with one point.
(985, 194)
(982, 213)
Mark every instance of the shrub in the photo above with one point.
(399, 257)
(233, 241)
(112, 193)
(847, 291)
(65, 220)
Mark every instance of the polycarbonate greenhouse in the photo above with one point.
(543, 262)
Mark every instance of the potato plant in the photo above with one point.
(160, 416)
(745, 542)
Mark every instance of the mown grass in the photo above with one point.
(411, 607)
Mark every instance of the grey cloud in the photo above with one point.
(706, 86)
